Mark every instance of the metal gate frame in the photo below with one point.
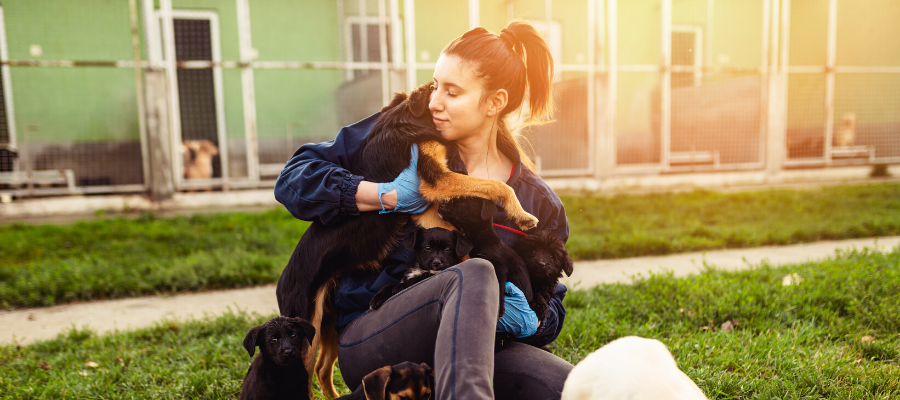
(830, 69)
(166, 52)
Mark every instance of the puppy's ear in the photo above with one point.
(463, 245)
(304, 326)
(570, 266)
(416, 237)
(428, 369)
(398, 98)
(253, 336)
(419, 99)
(488, 209)
(375, 383)
(208, 147)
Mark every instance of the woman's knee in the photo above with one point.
(472, 276)
(478, 269)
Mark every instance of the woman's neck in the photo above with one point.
(483, 159)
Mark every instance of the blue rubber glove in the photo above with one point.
(519, 319)
(409, 200)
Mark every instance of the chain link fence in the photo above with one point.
(103, 96)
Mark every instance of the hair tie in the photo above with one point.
(509, 37)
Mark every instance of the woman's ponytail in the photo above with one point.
(538, 66)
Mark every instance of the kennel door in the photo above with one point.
(199, 99)
(196, 87)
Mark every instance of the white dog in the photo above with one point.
(632, 368)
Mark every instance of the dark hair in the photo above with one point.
(517, 59)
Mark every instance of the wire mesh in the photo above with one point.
(561, 144)
(78, 125)
(299, 71)
(197, 99)
(805, 137)
(858, 92)
(865, 116)
(638, 96)
(717, 84)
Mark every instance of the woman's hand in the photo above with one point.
(405, 188)
(519, 319)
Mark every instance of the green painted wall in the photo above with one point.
(99, 104)
(71, 104)
(296, 102)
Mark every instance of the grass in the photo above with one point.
(789, 342)
(125, 257)
(49, 264)
(655, 224)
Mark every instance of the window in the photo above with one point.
(364, 42)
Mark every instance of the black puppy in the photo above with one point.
(474, 217)
(278, 371)
(546, 258)
(406, 380)
(435, 249)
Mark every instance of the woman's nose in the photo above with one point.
(434, 103)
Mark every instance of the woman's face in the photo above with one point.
(456, 105)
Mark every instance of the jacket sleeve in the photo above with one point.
(316, 184)
(550, 328)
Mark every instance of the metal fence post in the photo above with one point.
(162, 184)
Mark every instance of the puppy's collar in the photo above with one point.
(511, 229)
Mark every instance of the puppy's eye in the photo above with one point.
(427, 248)
(432, 87)
(294, 334)
(274, 340)
(447, 248)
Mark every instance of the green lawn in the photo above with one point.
(124, 257)
(790, 342)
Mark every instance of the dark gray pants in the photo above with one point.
(448, 321)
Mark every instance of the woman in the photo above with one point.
(449, 320)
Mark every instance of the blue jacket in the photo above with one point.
(315, 185)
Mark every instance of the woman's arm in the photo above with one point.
(367, 197)
(316, 184)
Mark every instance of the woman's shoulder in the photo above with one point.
(529, 181)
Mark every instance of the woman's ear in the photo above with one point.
(497, 102)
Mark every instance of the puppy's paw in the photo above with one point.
(376, 303)
(382, 296)
(525, 221)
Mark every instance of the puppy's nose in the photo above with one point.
(436, 264)
(288, 352)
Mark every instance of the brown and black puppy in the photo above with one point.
(278, 372)
(436, 249)
(326, 254)
(546, 259)
(474, 217)
(404, 381)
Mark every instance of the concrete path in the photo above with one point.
(591, 273)
(28, 325)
